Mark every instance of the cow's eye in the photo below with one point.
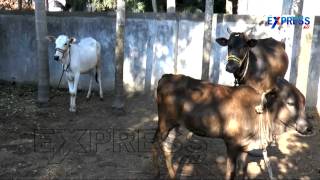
(290, 103)
(65, 44)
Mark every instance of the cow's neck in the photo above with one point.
(241, 75)
(265, 132)
(256, 75)
(67, 58)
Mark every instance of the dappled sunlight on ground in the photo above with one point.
(186, 169)
(254, 169)
(295, 158)
(290, 144)
(144, 120)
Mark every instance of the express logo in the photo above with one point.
(289, 20)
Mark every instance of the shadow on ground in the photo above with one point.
(53, 143)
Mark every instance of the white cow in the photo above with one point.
(76, 59)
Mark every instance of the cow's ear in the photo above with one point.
(51, 38)
(252, 42)
(72, 40)
(222, 41)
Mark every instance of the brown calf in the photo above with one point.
(219, 111)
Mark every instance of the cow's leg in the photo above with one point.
(160, 141)
(167, 151)
(267, 163)
(72, 103)
(232, 155)
(73, 92)
(70, 86)
(243, 165)
(100, 83)
(90, 85)
(155, 152)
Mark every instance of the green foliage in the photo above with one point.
(104, 5)
(131, 5)
(135, 6)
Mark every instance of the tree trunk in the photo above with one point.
(207, 40)
(42, 52)
(20, 5)
(154, 6)
(171, 6)
(234, 6)
(47, 5)
(295, 9)
(118, 103)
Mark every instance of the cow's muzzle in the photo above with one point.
(234, 62)
(232, 67)
(234, 58)
(303, 127)
(56, 58)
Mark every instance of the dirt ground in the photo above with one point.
(94, 143)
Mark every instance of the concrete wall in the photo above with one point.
(18, 45)
(150, 45)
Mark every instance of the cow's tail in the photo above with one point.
(98, 67)
(157, 91)
(162, 86)
(96, 76)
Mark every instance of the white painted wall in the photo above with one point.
(311, 8)
(260, 7)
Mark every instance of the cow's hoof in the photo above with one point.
(88, 98)
(101, 98)
(72, 110)
(189, 136)
(259, 109)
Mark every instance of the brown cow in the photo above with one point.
(256, 63)
(219, 111)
